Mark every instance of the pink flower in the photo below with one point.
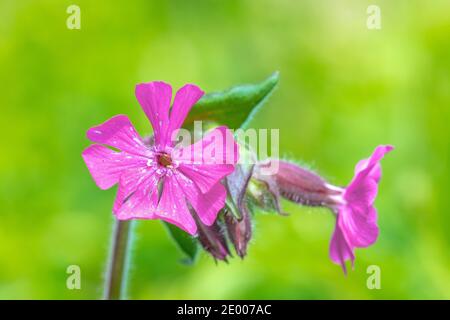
(356, 221)
(356, 217)
(160, 181)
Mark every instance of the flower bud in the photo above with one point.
(239, 231)
(213, 240)
(263, 193)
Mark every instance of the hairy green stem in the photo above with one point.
(116, 275)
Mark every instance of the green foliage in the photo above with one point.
(185, 242)
(233, 107)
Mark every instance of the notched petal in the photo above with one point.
(106, 165)
(119, 133)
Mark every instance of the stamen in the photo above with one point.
(164, 160)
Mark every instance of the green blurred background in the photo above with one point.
(343, 90)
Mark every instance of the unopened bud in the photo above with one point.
(239, 231)
(213, 240)
(263, 192)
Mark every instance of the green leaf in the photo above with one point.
(233, 107)
(185, 242)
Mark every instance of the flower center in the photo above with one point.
(164, 159)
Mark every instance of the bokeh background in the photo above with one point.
(343, 90)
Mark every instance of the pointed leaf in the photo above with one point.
(185, 242)
(233, 107)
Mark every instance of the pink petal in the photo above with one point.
(371, 165)
(356, 225)
(361, 192)
(340, 251)
(364, 187)
(106, 165)
(374, 173)
(209, 160)
(137, 196)
(172, 206)
(206, 176)
(185, 99)
(206, 205)
(359, 225)
(118, 132)
(155, 98)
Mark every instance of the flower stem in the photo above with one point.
(116, 275)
